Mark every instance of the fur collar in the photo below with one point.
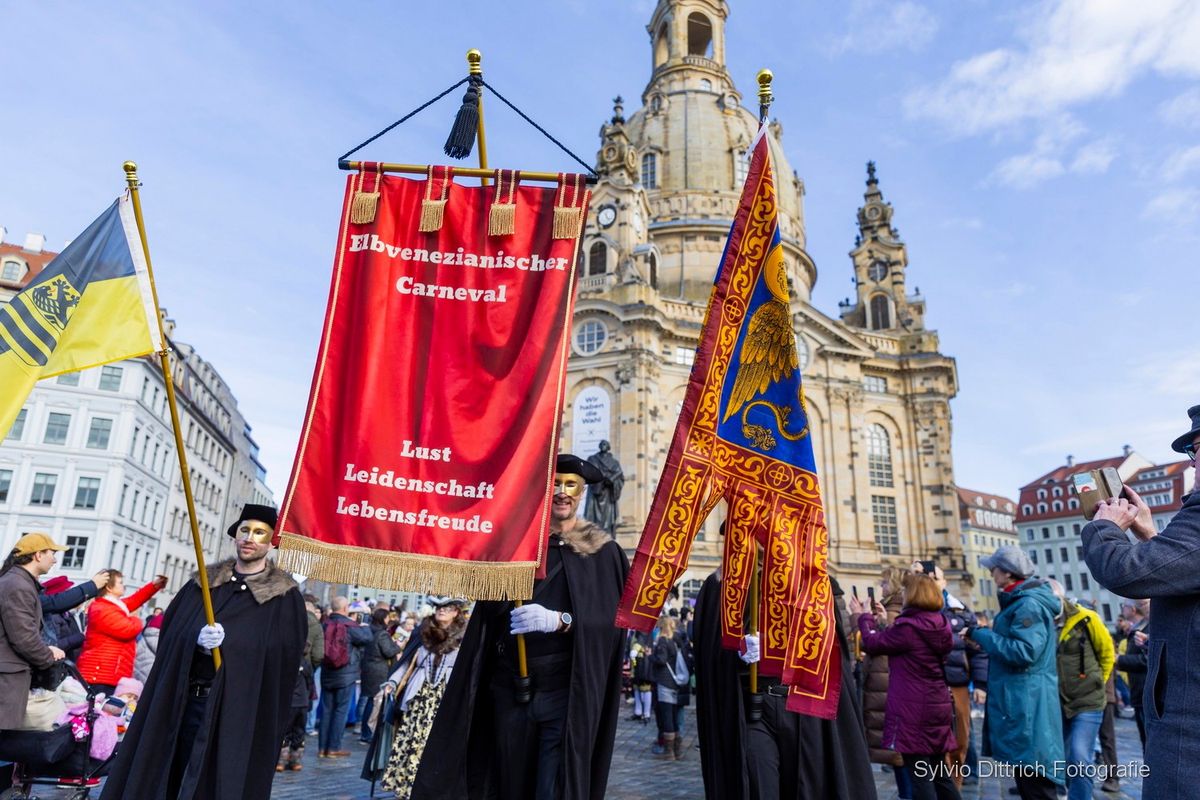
(585, 538)
(272, 582)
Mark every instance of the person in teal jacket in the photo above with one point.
(1023, 726)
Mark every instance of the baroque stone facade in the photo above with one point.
(878, 388)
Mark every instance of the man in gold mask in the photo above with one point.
(202, 732)
(550, 738)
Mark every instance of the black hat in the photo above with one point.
(1186, 439)
(577, 466)
(266, 514)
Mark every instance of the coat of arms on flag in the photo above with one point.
(743, 437)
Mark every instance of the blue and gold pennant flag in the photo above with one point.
(91, 305)
(743, 437)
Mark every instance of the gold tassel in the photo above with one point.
(432, 214)
(395, 571)
(502, 219)
(363, 207)
(567, 222)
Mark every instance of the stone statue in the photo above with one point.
(602, 497)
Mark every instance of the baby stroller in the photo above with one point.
(54, 758)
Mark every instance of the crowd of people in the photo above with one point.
(521, 699)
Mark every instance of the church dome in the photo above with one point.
(691, 137)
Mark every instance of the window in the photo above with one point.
(1058, 491)
(18, 426)
(1045, 533)
(1083, 582)
(685, 356)
(86, 493)
(597, 259)
(43, 489)
(1029, 534)
(875, 383)
(590, 337)
(1060, 530)
(5, 484)
(121, 505)
(741, 167)
(1062, 553)
(650, 171)
(879, 456)
(76, 552)
(700, 35)
(1057, 505)
(99, 432)
(56, 428)
(1107, 613)
(1033, 556)
(13, 271)
(1041, 508)
(705, 85)
(881, 317)
(1067, 583)
(653, 271)
(1041, 494)
(1079, 553)
(1049, 556)
(1027, 509)
(110, 378)
(68, 379)
(887, 534)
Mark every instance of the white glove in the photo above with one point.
(532, 618)
(749, 652)
(211, 636)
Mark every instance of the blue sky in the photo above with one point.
(1043, 159)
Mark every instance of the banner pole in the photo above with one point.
(756, 699)
(475, 67)
(131, 178)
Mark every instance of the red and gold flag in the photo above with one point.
(428, 449)
(743, 437)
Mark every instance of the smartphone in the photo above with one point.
(929, 568)
(871, 594)
(854, 591)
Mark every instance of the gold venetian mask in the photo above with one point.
(255, 531)
(568, 483)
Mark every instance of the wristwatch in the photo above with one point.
(565, 619)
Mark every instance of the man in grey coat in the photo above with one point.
(21, 646)
(1164, 567)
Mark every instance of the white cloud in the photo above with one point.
(876, 26)
(1072, 52)
(1180, 163)
(1174, 206)
(1094, 158)
(1182, 110)
(1028, 170)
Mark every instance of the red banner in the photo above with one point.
(427, 454)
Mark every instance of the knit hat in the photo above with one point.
(128, 686)
(1011, 559)
(57, 585)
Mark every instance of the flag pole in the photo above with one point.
(131, 178)
(764, 78)
(475, 67)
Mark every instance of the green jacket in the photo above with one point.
(316, 642)
(1085, 660)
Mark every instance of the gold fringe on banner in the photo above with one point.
(433, 209)
(364, 205)
(502, 216)
(384, 569)
(433, 212)
(569, 203)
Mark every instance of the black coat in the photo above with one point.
(458, 763)
(378, 660)
(1134, 662)
(832, 754)
(234, 753)
(966, 662)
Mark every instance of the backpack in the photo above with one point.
(337, 645)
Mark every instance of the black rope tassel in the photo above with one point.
(466, 123)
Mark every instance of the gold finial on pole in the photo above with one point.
(765, 76)
(130, 174)
(474, 62)
(475, 67)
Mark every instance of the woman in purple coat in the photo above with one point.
(919, 721)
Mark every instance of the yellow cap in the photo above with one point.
(32, 543)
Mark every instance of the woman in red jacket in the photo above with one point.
(110, 641)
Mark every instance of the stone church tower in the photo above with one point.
(878, 389)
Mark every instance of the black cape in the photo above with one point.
(832, 754)
(248, 708)
(458, 763)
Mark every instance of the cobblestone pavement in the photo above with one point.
(636, 774)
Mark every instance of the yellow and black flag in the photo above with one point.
(91, 305)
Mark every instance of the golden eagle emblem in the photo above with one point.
(768, 352)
